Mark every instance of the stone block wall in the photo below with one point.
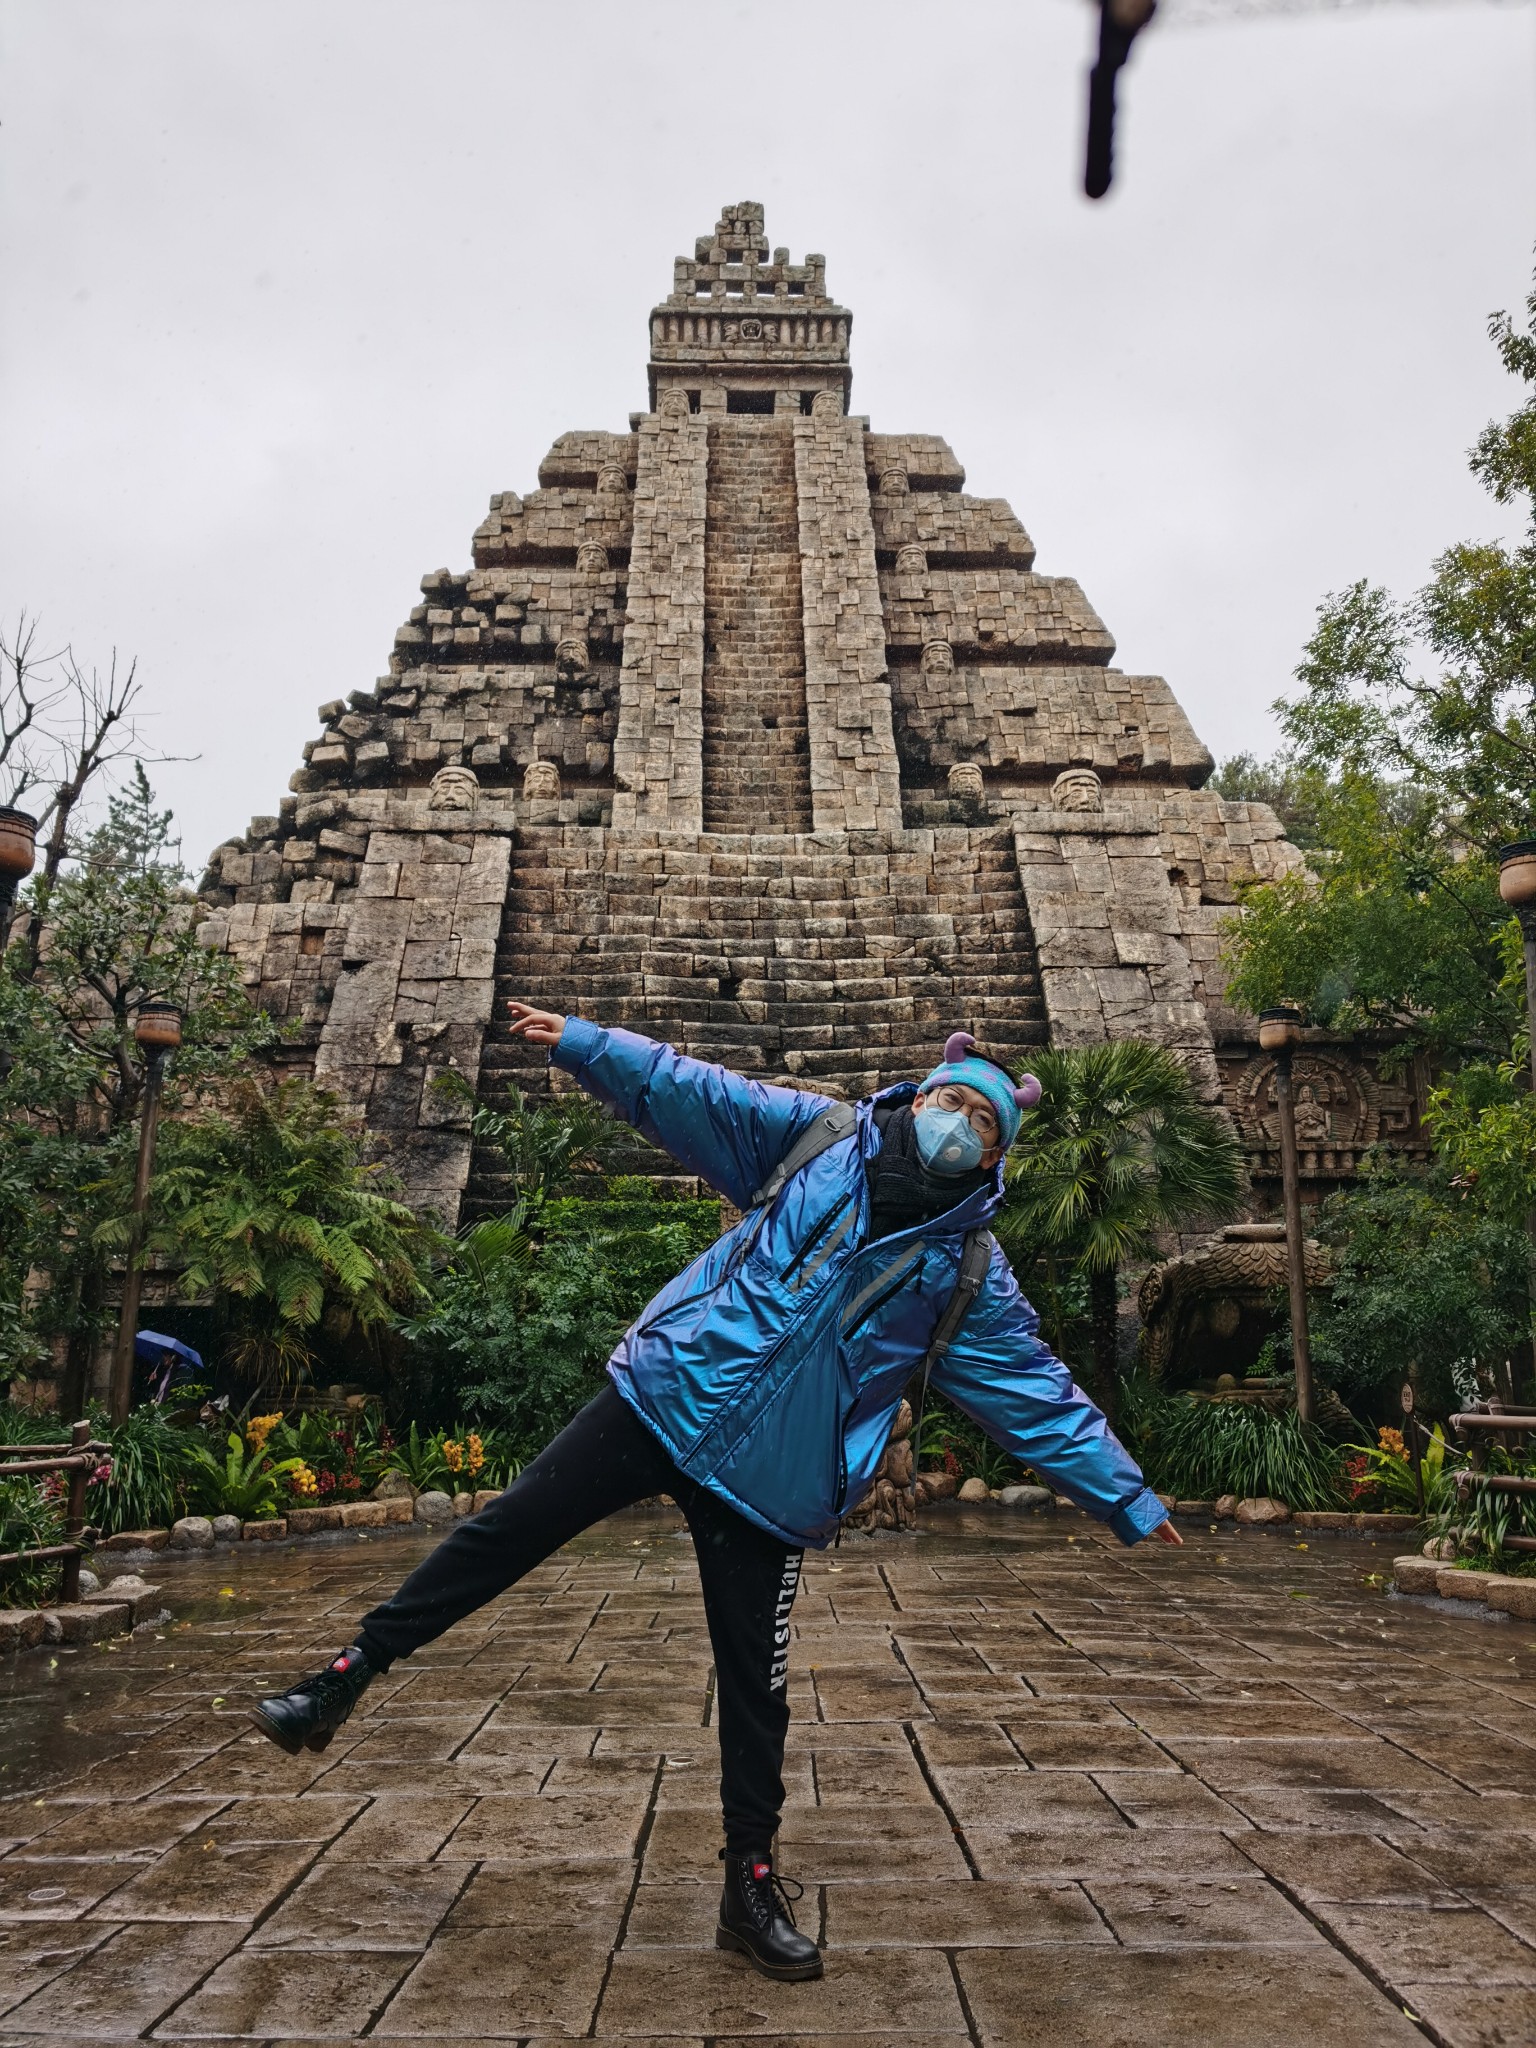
(855, 782)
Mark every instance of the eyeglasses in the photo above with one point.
(982, 1120)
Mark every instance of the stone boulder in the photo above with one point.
(90, 1585)
(1441, 1549)
(935, 1486)
(86, 1621)
(436, 1509)
(21, 1628)
(975, 1490)
(226, 1528)
(394, 1486)
(1512, 1596)
(136, 1539)
(1024, 1496)
(192, 1532)
(1261, 1512)
(1415, 1575)
(1226, 1507)
(463, 1504)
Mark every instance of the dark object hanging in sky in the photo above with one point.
(1119, 22)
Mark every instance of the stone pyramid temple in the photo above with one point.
(751, 729)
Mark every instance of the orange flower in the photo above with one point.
(1391, 1441)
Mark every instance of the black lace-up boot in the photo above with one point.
(757, 1920)
(309, 1713)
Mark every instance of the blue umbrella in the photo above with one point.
(151, 1349)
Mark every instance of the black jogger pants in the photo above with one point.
(608, 1459)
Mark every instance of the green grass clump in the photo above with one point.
(1199, 1450)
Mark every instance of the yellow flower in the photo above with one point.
(259, 1428)
(1391, 1441)
(453, 1454)
(301, 1479)
(476, 1455)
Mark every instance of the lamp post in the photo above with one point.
(157, 1033)
(18, 851)
(1517, 885)
(1280, 1033)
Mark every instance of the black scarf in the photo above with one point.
(902, 1192)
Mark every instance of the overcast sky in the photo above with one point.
(291, 287)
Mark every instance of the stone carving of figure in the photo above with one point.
(912, 561)
(938, 658)
(571, 659)
(592, 558)
(453, 789)
(965, 781)
(827, 405)
(673, 403)
(894, 483)
(541, 782)
(1314, 1126)
(611, 477)
(1077, 789)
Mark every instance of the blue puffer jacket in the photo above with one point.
(772, 1368)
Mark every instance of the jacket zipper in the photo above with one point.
(815, 1265)
(878, 1292)
(802, 1250)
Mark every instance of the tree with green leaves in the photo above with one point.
(269, 1206)
(1412, 745)
(121, 931)
(1119, 1150)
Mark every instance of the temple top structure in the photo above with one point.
(752, 729)
(744, 333)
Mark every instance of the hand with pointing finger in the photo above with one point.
(539, 1027)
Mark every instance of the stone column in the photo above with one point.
(855, 783)
(1108, 927)
(413, 990)
(658, 754)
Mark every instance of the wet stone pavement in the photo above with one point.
(1040, 1790)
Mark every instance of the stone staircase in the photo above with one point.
(757, 774)
(836, 962)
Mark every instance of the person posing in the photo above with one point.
(759, 1388)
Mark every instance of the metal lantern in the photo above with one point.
(1517, 873)
(1280, 1028)
(157, 1028)
(18, 846)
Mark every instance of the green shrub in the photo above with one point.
(31, 1516)
(520, 1328)
(151, 1467)
(1198, 1450)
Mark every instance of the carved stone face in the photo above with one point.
(591, 558)
(673, 404)
(571, 657)
(453, 789)
(1077, 789)
(541, 782)
(611, 477)
(912, 561)
(894, 483)
(827, 405)
(965, 780)
(938, 658)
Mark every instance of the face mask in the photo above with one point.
(947, 1142)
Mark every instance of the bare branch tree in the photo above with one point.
(62, 728)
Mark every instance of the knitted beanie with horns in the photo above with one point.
(961, 1067)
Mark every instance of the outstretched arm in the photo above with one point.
(731, 1131)
(1002, 1376)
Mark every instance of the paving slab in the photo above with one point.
(1039, 1788)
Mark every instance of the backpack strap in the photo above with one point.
(975, 1258)
(836, 1121)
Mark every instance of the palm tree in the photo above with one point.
(1118, 1149)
